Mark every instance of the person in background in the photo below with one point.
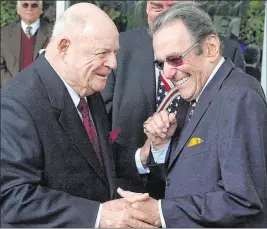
(215, 169)
(136, 89)
(57, 166)
(49, 12)
(252, 56)
(21, 42)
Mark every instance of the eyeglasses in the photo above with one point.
(175, 60)
(25, 5)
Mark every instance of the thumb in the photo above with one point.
(172, 119)
(125, 194)
(137, 198)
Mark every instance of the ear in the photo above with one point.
(63, 45)
(212, 47)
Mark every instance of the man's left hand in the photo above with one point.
(149, 206)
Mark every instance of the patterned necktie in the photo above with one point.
(167, 89)
(193, 107)
(89, 127)
(29, 31)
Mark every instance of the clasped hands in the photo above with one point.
(133, 210)
(160, 127)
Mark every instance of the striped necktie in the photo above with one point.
(29, 31)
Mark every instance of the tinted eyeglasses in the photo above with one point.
(175, 60)
(25, 5)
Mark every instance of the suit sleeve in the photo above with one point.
(241, 193)
(5, 74)
(239, 60)
(25, 201)
(107, 95)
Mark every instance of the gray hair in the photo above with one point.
(196, 20)
(40, 3)
(252, 54)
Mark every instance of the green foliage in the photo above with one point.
(8, 12)
(252, 28)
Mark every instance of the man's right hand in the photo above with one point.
(119, 213)
(160, 128)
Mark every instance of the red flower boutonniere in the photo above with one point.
(114, 134)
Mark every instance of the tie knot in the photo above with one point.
(29, 31)
(83, 107)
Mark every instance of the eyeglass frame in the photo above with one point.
(26, 5)
(180, 57)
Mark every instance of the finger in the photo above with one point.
(137, 198)
(125, 194)
(158, 126)
(172, 119)
(165, 118)
(134, 223)
(162, 120)
(144, 217)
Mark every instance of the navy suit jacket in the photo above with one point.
(50, 175)
(221, 182)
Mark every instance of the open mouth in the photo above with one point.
(183, 80)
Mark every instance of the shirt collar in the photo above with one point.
(35, 26)
(73, 94)
(211, 76)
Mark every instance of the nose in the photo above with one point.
(168, 71)
(112, 61)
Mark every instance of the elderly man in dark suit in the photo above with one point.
(57, 167)
(21, 42)
(215, 171)
(135, 90)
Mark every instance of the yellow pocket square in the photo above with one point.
(194, 141)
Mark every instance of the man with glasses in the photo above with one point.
(21, 42)
(135, 90)
(215, 169)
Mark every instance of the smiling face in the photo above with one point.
(89, 59)
(190, 77)
(29, 11)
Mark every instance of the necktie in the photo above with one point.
(166, 88)
(29, 31)
(193, 107)
(89, 127)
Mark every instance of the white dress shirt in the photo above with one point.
(35, 26)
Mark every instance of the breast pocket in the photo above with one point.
(200, 148)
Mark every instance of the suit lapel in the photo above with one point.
(101, 123)
(147, 69)
(41, 39)
(206, 98)
(15, 40)
(69, 117)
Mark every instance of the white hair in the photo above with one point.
(70, 22)
(40, 3)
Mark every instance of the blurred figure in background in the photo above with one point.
(252, 56)
(49, 12)
(21, 42)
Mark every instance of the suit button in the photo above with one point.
(168, 182)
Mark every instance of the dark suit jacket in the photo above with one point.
(255, 72)
(50, 175)
(130, 93)
(11, 47)
(221, 182)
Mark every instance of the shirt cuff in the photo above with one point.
(97, 222)
(160, 155)
(141, 169)
(163, 224)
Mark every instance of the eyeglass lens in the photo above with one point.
(26, 5)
